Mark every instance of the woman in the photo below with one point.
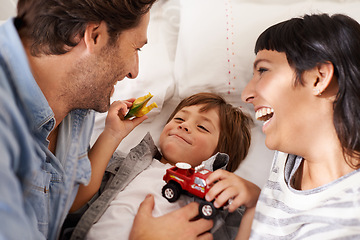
(306, 89)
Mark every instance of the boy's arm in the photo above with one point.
(116, 129)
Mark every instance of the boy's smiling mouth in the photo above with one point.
(180, 137)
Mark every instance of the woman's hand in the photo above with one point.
(230, 188)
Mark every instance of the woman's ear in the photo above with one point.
(324, 76)
(95, 36)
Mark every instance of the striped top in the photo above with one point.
(331, 211)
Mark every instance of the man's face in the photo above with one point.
(93, 77)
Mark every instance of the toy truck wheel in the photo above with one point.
(207, 210)
(171, 191)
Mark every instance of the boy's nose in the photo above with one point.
(184, 127)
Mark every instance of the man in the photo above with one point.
(58, 60)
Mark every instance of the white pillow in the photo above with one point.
(215, 53)
(217, 38)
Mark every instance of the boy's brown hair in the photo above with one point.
(235, 126)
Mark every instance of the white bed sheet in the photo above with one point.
(193, 45)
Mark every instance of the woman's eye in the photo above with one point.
(261, 70)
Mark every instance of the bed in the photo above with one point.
(205, 45)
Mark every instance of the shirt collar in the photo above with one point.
(36, 107)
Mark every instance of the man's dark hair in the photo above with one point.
(53, 27)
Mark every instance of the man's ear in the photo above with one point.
(95, 36)
(324, 76)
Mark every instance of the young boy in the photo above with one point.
(201, 126)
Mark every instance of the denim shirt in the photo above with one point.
(37, 188)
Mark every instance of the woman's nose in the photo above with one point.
(248, 93)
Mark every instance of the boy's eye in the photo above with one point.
(203, 128)
(178, 119)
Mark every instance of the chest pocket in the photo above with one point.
(37, 194)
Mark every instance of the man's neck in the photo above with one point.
(49, 72)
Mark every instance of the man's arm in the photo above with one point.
(16, 222)
(180, 224)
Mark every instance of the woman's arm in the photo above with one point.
(229, 186)
(245, 225)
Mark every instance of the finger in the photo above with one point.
(206, 236)
(147, 206)
(190, 211)
(202, 226)
(130, 100)
(217, 189)
(217, 175)
(224, 197)
(136, 121)
(116, 106)
(236, 203)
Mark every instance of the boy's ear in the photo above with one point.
(324, 76)
(95, 36)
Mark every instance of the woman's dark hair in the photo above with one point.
(52, 25)
(321, 38)
(235, 126)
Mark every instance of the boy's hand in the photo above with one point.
(228, 186)
(179, 224)
(115, 123)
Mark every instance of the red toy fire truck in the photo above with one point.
(183, 178)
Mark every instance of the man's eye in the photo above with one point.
(138, 49)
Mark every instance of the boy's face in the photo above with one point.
(191, 136)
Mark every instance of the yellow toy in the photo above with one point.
(139, 108)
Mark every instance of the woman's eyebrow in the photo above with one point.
(260, 60)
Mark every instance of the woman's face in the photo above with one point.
(283, 107)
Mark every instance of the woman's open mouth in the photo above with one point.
(264, 114)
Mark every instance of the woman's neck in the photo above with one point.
(313, 174)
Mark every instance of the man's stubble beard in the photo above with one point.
(90, 87)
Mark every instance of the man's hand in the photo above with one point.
(179, 224)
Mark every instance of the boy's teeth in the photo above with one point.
(264, 114)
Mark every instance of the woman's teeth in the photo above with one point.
(264, 114)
